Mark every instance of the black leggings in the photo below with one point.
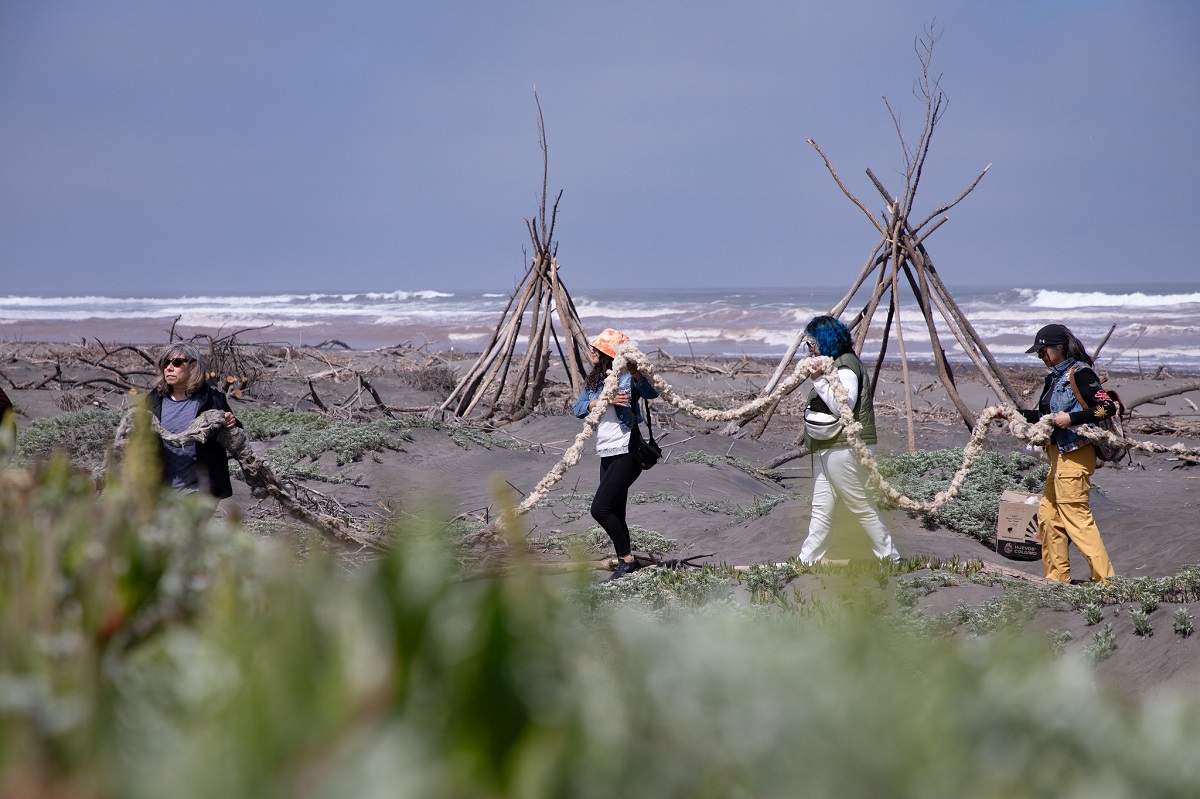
(617, 474)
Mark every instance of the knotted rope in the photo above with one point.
(305, 505)
(1037, 433)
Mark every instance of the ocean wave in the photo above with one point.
(400, 296)
(596, 310)
(261, 300)
(1155, 323)
(1045, 298)
(709, 336)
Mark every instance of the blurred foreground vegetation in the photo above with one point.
(146, 651)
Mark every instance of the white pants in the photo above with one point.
(840, 478)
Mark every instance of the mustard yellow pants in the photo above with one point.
(1064, 516)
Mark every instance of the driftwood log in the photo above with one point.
(338, 527)
(899, 257)
(1170, 392)
(509, 390)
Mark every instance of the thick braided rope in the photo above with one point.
(1037, 433)
(258, 474)
(629, 353)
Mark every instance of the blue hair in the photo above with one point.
(832, 337)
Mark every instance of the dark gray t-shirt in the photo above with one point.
(180, 462)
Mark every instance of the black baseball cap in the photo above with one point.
(1050, 336)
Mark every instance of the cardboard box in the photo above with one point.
(1017, 535)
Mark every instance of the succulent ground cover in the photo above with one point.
(923, 474)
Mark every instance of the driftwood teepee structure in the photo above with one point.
(900, 257)
(508, 389)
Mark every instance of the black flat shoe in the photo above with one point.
(624, 568)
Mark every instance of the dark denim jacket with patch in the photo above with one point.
(1058, 396)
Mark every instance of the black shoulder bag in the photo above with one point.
(646, 451)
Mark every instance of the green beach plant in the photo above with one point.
(1058, 640)
(1181, 622)
(698, 456)
(150, 651)
(766, 582)
(83, 435)
(1104, 643)
(922, 474)
(595, 540)
(1141, 622)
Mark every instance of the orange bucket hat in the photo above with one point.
(608, 341)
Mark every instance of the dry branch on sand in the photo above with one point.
(318, 511)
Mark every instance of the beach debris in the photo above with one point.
(901, 250)
(307, 505)
(1170, 392)
(508, 389)
(355, 403)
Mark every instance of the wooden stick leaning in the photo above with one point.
(210, 426)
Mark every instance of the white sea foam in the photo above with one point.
(1098, 299)
(596, 310)
(323, 301)
(1152, 324)
(402, 295)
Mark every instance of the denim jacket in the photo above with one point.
(644, 389)
(1058, 396)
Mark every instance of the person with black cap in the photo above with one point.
(1064, 515)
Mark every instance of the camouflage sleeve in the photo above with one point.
(1098, 405)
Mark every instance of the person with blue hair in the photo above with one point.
(839, 477)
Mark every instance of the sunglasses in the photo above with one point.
(178, 362)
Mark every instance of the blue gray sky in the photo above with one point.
(223, 146)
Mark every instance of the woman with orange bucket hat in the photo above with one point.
(618, 469)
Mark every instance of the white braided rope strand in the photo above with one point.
(573, 453)
(629, 353)
(1037, 433)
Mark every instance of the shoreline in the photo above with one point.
(150, 336)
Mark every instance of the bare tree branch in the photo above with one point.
(837, 178)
